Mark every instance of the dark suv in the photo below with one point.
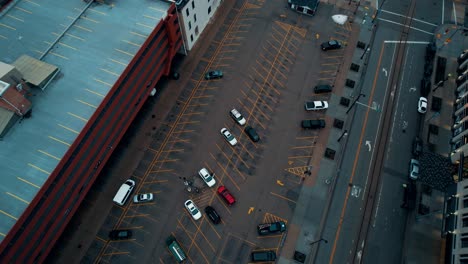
(252, 133)
(323, 88)
(271, 228)
(262, 256)
(213, 215)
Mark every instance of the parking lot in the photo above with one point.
(271, 59)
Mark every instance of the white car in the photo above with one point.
(207, 177)
(316, 105)
(228, 136)
(193, 209)
(414, 169)
(237, 117)
(143, 197)
(422, 105)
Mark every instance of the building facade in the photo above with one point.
(195, 16)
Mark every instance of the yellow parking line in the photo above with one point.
(39, 169)
(61, 141)
(58, 55)
(110, 72)
(19, 19)
(280, 196)
(28, 182)
(150, 17)
(69, 35)
(299, 157)
(86, 103)
(98, 12)
(67, 46)
(143, 25)
(24, 10)
(83, 28)
(69, 129)
(31, 2)
(79, 117)
(124, 52)
(93, 92)
(103, 82)
(48, 154)
(119, 62)
(89, 19)
(3, 37)
(7, 214)
(17, 197)
(132, 43)
(9, 27)
(138, 34)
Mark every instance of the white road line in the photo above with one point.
(407, 41)
(393, 22)
(415, 19)
(454, 13)
(443, 11)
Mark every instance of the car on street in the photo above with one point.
(193, 209)
(417, 146)
(316, 105)
(228, 136)
(252, 133)
(143, 198)
(213, 75)
(226, 195)
(414, 169)
(322, 88)
(207, 177)
(118, 234)
(236, 115)
(422, 105)
(271, 228)
(330, 45)
(213, 215)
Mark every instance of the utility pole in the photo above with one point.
(349, 109)
(378, 11)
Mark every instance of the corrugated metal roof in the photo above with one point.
(34, 71)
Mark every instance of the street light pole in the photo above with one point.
(365, 51)
(320, 240)
(349, 109)
(345, 133)
(378, 11)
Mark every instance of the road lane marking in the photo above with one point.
(407, 41)
(417, 29)
(415, 19)
(251, 209)
(358, 150)
(28, 182)
(282, 197)
(48, 154)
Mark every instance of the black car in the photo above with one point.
(330, 45)
(262, 256)
(120, 234)
(323, 88)
(213, 75)
(313, 124)
(271, 228)
(213, 215)
(252, 133)
(417, 146)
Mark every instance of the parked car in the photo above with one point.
(313, 124)
(237, 117)
(330, 45)
(322, 88)
(143, 198)
(193, 209)
(213, 75)
(409, 195)
(316, 105)
(417, 146)
(414, 169)
(228, 136)
(263, 256)
(271, 228)
(207, 177)
(252, 133)
(118, 234)
(226, 195)
(422, 105)
(212, 215)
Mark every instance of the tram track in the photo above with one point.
(359, 248)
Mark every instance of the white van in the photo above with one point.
(124, 192)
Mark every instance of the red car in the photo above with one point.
(226, 195)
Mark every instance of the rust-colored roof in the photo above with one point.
(13, 100)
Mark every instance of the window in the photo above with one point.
(193, 4)
(195, 17)
(187, 12)
(196, 31)
(191, 37)
(209, 10)
(465, 222)
(464, 242)
(189, 25)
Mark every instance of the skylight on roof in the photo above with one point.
(3, 87)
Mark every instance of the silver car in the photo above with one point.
(143, 198)
(414, 169)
